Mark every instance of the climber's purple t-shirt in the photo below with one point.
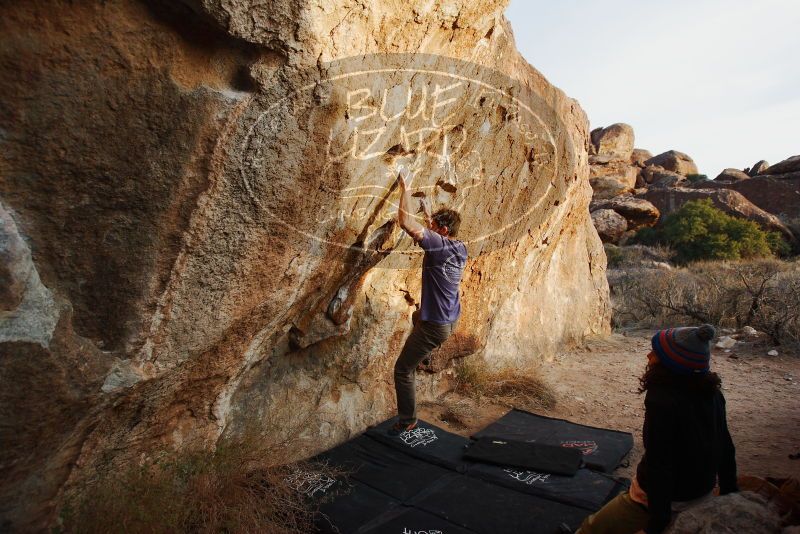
(442, 268)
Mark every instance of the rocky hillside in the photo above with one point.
(634, 189)
(198, 232)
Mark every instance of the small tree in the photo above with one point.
(699, 231)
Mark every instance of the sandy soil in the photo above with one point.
(597, 384)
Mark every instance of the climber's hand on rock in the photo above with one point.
(403, 177)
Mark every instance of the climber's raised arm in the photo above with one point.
(404, 216)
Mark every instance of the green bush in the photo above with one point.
(699, 231)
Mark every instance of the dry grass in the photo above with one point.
(515, 387)
(764, 294)
(460, 413)
(240, 487)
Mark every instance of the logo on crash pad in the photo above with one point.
(418, 436)
(585, 446)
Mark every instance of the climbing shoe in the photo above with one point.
(398, 428)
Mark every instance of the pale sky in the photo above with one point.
(716, 79)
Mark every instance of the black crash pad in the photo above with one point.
(587, 489)
(348, 505)
(531, 456)
(413, 521)
(426, 442)
(491, 509)
(602, 449)
(383, 468)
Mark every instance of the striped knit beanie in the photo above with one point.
(685, 350)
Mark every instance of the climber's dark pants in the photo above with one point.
(424, 337)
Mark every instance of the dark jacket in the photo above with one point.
(687, 445)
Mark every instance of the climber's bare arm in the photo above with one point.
(407, 221)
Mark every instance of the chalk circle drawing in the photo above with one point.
(471, 137)
(309, 483)
(585, 446)
(527, 477)
(418, 436)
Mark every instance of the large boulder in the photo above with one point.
(615, 141)
(788, 165)
(206, 191)
(674, 161)
(612, 179)
(639, 156)
(658, 177)
(729, 514)
(638, 212)
(731, 202)
(732, 175)
(758, 168)
(610, 225)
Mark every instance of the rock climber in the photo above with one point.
(442, 268)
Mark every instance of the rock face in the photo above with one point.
(203, 204)
(674, 161)
(610, 225)
(735, 512)
(731, 202)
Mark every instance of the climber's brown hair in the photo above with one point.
(449, 218)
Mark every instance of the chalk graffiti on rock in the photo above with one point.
(407, 530)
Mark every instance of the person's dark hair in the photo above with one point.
(449, 218)
(658, 375)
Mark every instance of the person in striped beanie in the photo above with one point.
(688, 449)
(684, 350)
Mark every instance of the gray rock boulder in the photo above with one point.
(615, 141)
(609, 224)
(638, 212)
(732, 175)
(758, 168)
(786, 166)
(639, 156)
(734, 513)
(674, 161)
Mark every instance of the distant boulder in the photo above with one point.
(609, 187)
(758, 168)
(655, 174)
(727, 200)
(786, 166)
(732, 175)
(674, 161)
(638, 212)
(615, 141)
(639, 156)
(612, 179)
(609, 224)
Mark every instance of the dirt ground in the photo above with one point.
(597, 385)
